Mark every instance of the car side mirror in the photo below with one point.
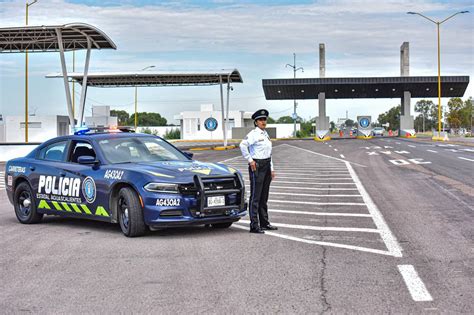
(189, 154)
(86, 159)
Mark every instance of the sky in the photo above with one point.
(362, 39)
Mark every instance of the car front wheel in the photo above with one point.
(25, 207)
(130, 213)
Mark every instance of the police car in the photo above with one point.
(139, 181)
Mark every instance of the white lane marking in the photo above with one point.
(468, 150)
(327, 156)
(335, 150)
(320, 228)
(432, 151)
(342, 156)
(310, 183)
(312, 195)
(2, 180)
(330, 146)
(296, 169)
(415, 285)
(306, 188)
(319, 203)
(387, 236)
(419, 161)
(235, 157)
(397, 142)
(312, 174)
(330, 244)
(463, 158)
(412, 146)
(399, 162)
(330, 214)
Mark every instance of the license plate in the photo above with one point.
(216, 201)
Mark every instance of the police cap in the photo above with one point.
(260, 114)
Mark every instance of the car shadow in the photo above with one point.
(109, 228)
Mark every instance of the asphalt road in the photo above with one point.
(365, 226)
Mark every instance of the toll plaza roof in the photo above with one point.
(156, 78)
(374, 87)
(45, 38)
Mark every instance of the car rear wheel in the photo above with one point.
(222, 225)
(130, 213)
(25, 205)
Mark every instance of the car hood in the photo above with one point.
(180, 169)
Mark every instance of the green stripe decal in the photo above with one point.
(56, 205)
(43, 205)
(86, 209)
(66, 207)
(101, 211)
(76, 208)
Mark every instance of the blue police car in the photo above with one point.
(139, 181)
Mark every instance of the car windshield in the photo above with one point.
(139, 149)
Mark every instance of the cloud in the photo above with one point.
(362, 37)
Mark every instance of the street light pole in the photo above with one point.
(438, 23)
(294, 100)
(26, 75)
(136, 99)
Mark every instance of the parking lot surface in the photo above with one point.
(382, 225)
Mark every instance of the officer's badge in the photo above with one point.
(262, 112)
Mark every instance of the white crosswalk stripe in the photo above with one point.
(315, 193)
(2, 180)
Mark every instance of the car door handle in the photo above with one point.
(32, 168)
(62, 174)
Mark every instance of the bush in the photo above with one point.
(172, 134)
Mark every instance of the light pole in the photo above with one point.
(136, 98)
(26, 75)
(294, 100)
(438, 23)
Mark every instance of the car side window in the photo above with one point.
(54, 151)
(80, 148)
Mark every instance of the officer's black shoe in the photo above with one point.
(269, 227)
(257, 231)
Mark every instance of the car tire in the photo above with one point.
(130, 213)
(222, 225)
(25, 205)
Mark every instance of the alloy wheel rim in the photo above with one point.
(24, 204)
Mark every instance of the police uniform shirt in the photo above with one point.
(257, 145)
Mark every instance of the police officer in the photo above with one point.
(256, 148)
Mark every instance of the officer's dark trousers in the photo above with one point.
(259, 188)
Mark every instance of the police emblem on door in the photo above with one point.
(89, 189)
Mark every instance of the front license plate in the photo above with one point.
(216, 201)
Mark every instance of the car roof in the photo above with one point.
(99, 136)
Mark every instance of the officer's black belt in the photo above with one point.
(263, 160)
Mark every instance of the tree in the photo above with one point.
(147, 119)
(270, 120)
(332, 126)
(455, 106)
(466, 113)
(349, 123)
(122, 116)
(392, 116)
(285, 120)
(423, 107)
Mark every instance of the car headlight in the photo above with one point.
(162, 187)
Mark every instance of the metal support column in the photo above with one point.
(84, 82)
(227, 109)
(222, 108)
(65, 78)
